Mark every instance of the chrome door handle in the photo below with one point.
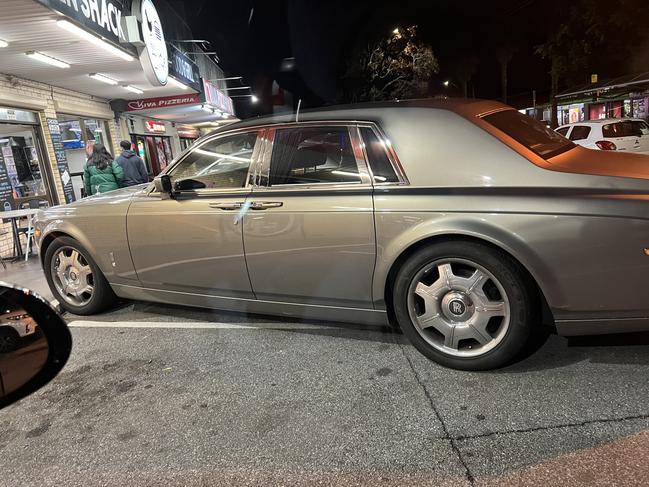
(264, 205)
(227, 206)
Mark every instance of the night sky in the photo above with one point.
(320, 35)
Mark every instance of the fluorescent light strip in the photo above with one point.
(3, 43)
(70, 27)
(133, 89)
(47, 59)
(207, 109)
(103, 79)
(177, 83)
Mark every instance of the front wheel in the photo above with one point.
(75, 279)
(465, 305)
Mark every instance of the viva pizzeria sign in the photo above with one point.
(162, 102)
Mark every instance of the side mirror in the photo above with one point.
(163, 185)
(35, 343)
(189, 185)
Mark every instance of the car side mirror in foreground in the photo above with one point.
(163, 185)
(35, 343)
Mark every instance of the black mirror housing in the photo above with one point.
(35, 359)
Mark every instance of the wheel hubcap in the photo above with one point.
(72, 276)
(459, 307)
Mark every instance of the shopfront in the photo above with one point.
(24, 172)
(187, 135)
(153, 141)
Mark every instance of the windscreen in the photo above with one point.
(531, 133)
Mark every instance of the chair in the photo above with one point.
(28, 231)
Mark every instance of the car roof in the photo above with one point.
(374, 110)
(602, 121)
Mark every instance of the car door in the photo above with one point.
(193, 242)
(309, 231)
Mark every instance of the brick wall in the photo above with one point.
(44, 99)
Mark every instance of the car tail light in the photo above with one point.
(605, 145)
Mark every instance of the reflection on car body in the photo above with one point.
(467, 224)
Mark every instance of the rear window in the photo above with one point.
(624, 129)
(579, 132)
(534, 135)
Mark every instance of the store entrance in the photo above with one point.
(20, 160)
(154, 150)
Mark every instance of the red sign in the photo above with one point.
(155, 127)
(188, 132)
(217, 98)
(163, 101)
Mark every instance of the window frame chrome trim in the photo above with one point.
(389, 151)
(355, 140)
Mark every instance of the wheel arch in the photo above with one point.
(406, 253)
(49, 236)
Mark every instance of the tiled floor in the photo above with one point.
(27, 274)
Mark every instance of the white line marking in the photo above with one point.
(194, 325)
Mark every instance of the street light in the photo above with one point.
(446, 83)
(396, 31)
(254, 99)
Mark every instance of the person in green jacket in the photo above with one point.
(102, 173)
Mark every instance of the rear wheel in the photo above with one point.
(465, 305)
(75, 279)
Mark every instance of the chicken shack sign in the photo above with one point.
(103, 17)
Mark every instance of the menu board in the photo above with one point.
(7, 201)
(61, 159)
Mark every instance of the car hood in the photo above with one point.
(113, 198)
(601, 163)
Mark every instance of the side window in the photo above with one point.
(563, 131)
(382, 169)
(580, 132)
(312, 155)
(220, 163)
(641, 127)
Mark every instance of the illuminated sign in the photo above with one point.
(154, 127)
(217, 98)
(162, 102)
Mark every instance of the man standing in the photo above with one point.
(134, 169)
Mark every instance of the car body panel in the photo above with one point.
(177, 244)
(577, 222)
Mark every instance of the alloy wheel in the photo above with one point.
(72, 276)
(459, 307)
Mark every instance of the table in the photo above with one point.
(14, 215)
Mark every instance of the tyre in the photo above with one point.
(9, 339)
(75, 279)
(466, 306)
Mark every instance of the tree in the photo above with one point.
(398, 66)
(504, 54)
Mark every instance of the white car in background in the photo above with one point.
(620, 134)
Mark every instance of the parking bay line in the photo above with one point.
(195, 325)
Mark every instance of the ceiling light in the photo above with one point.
(133, 89)
(70, 27)
(47, 59)
(103, 79)
(225, 115)
(177, 83)
(3, 43)
(207, 108)
(254, 99)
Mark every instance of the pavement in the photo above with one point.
(166, 395)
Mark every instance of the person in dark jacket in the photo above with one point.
(102, 173)
(134, 169)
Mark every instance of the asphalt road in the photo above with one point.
(157, 395)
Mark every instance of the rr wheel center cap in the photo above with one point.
(457, 306)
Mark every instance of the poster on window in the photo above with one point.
(61, 159)
(7, 201)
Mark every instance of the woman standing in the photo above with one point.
(102, 173)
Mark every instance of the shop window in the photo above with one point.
(20, 156)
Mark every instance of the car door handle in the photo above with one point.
(264, 205)
(227, 206)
